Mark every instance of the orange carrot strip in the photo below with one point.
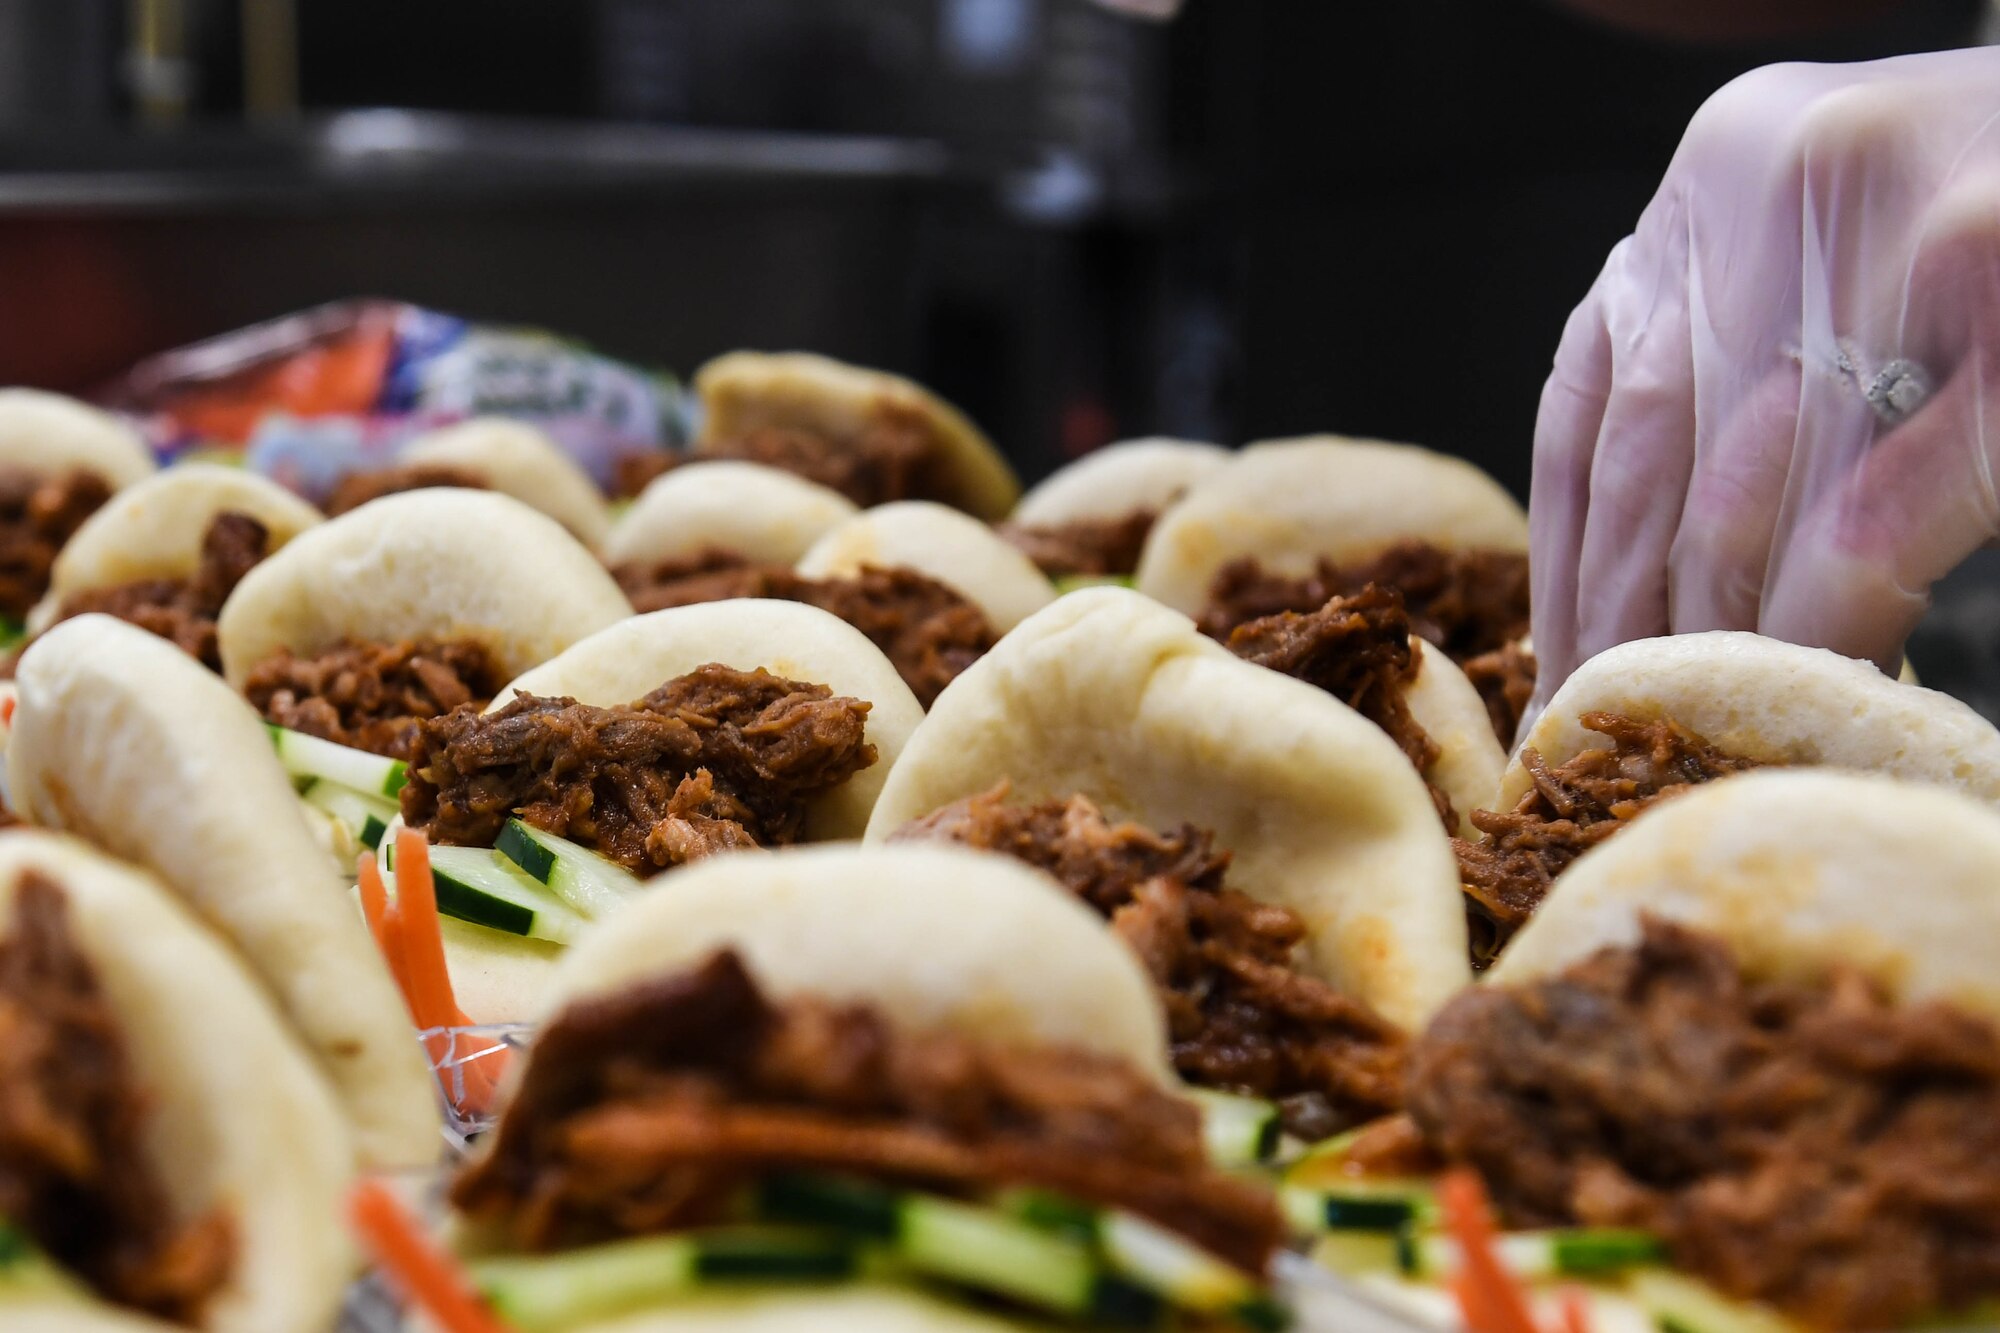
(1499, 1306)
(422, 1272)
(1473, 1303)
(423, 956)
(423, 942)
(7, 706)
(1575, 1311)
(384, 924)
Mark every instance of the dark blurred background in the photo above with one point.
(1264, 217)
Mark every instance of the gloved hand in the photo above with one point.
(1779, 407)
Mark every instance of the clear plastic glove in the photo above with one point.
(1779, 407)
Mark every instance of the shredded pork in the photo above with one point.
(1241, 1014)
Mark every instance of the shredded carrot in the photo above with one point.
(7, 705)
(382, 922)
(1472, 1303)
(1490, 1297)
(421, 944)
(422, 1272)
(1575, 1311)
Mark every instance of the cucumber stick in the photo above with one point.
(1184, 1274)
(577, 1286)
(989, 1251)
(1072, 582)
(1357, 1204)
(479, 885)
(1681, 1304)
(310, 757)
(591, 885)
(1039, 1249)
(1238, 1131)
(366, 818)
(977, 1247)
(25, 1270)
(1579, 1252)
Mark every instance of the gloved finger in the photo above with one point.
(1856, 574)
(1722, 549)
(1645, 447)
(1572, 409)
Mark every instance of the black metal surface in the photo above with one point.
(661, 246)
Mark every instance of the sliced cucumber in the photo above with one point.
(1050, 1212)
(1356, 1253)
(1357, 1204)
(1325, 1162)
(562, 1290)
(366, 818)
(857, 1206)
(580, 877)
(1239, 1131)
(1681, 1304)
(25, 1270)
(1579, 1252)
(1072, 582)
(310, 757)
(1185, 1275)
(479, 885)
(1037, 1248)
(989, 1251)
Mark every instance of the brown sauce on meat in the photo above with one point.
(711, 574)
(1505, 679)
(73, 1170)
(38, 514)
(1358, 650)
(1570, 809)
(1086, 547)
(372, 696)
(358, 488)
(634, 472)
(1465, 602)
(647, 1109)
(895, 456)
(1240, 1014)
(927, 630)
(711, 761)
(183, 611)
(1811, 1146)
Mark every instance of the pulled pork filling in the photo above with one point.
(895, 456)
(73, 1170)
(372, 695)
(926, 630)
(37, 515)
(711, 761)
(183, 611)
(648, 1109)
(358, 488)
(1088, 547)
(1814, 1147)
(1358, 650)
(1240, 1015)
(1505, 679)
(1570, 809)
(1465, 602)
(634, 472)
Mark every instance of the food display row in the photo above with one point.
(788, 878)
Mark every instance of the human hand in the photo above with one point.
(1779, 407)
